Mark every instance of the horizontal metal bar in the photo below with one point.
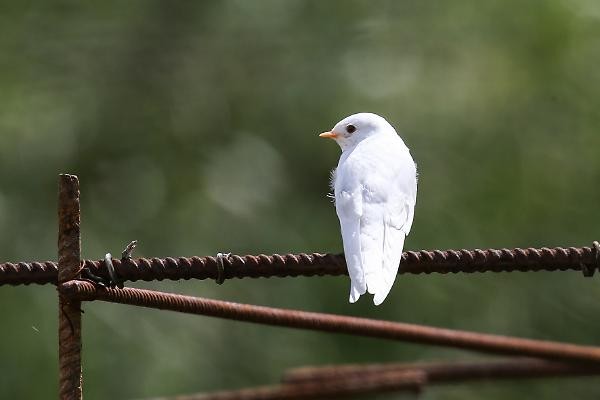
(351, 380)
(394, 381)
(315, 264)
(448, 371)
(85, 291)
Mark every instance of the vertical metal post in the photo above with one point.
(69, 312)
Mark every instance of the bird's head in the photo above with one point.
(353, 129)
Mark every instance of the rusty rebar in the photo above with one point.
(69, 313)
(355, 379)
(497, 344)
(25, 273)
(391, 381)
(447, 371)
(315, 264)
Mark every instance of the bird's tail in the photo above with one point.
(356, 290)
(393, 244)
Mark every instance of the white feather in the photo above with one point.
(375, 190)
(349, 209)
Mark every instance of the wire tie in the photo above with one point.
(114, 280)
(221, 267)
(126, 253)
(588, 270)
(597, 253)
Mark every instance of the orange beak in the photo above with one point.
(329, 135)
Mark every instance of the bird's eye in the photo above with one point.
(350, 128)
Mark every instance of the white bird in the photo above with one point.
(375, 187)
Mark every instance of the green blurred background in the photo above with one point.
(192, 126)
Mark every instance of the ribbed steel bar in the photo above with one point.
(69, 312)
(352, 380)
(447, 372)
(393, 381)
(86, 291)
(413, 262)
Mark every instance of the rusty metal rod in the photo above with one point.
(69, 312)
(351, 380)
(584, 259)
(447, 372)
(390, 381)
(86, 291)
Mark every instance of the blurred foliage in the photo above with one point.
(192, 126)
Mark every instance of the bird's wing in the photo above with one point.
(395, 229)
(385, 223)
(348, 204)
(408, 200)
